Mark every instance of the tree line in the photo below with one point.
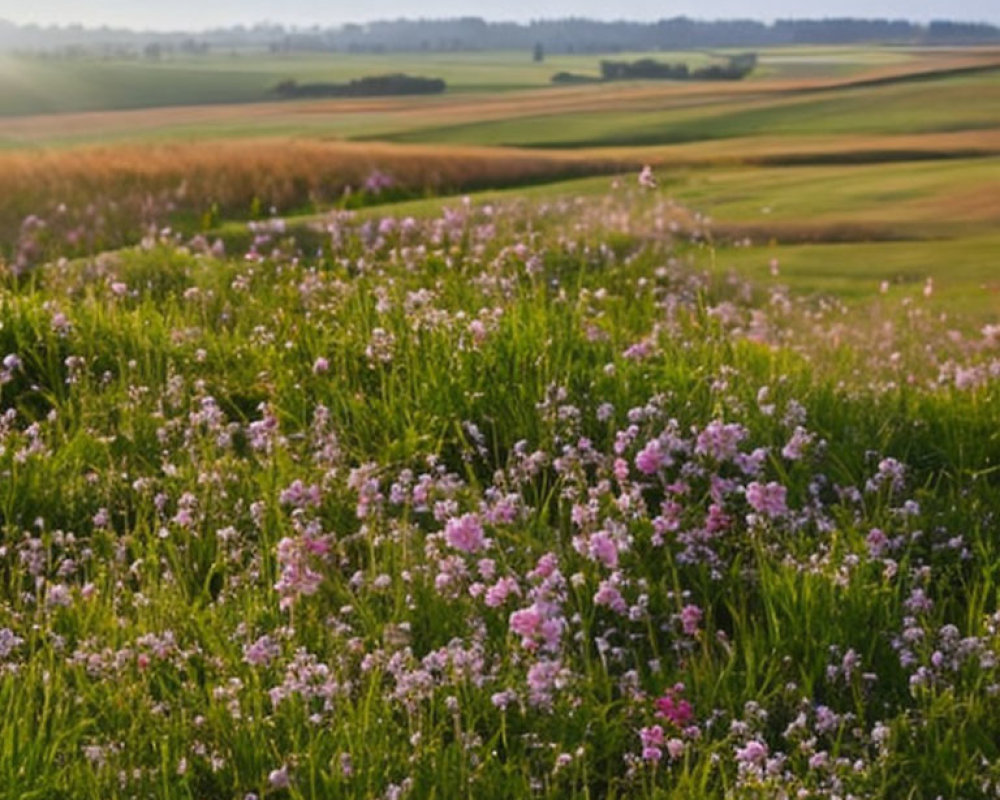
(573, 35)
(370, 86)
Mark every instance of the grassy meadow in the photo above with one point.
(33, 85)
(628, 441)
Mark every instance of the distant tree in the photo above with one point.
(573, 77)
(287, 88)
(193, 47)
(371, 86)
(734, 69)
(944, 32)
(540, 37)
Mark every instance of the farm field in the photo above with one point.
(611, 441)
(658, 112)
(31, 85)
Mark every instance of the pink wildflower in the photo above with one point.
(525, 622)
(498, 593)
(652, 742)
(674, 708)
(690, 618)
(767, 499)
(796, 446)
(651, 458)
(602, 548)
(753, 752)
(543, 678)
(465, 533)
(278, 778)
(297, 577)
(720, 441)
(261, 652)
(608, 595)
(621, 470)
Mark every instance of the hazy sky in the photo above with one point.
(198, 14)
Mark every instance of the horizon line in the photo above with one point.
(292, 26)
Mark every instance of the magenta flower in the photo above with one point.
(796, 447)
(720, 441)
(602, 548)
(767, 499)
(538, 625)
(753, 752)
(544, 677)
(652, 743)
(465, 533)
(498, 593)
(261, 652)
(608, 595)
(651, 458)
(674, 708)
(690, 618)
(652, 736)
(877, 542)
(621, 470)
(297, 576)
(525, 622)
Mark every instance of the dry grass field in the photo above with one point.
(285, 173)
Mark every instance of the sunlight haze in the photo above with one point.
(189, 15)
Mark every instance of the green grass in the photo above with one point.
(494, 99)
(44, 87)
(910, 196)
(35, 86)
(96, 708)
(867, 223)
(965, 280)
(959, 103)
(510, 355)
(874, 192)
